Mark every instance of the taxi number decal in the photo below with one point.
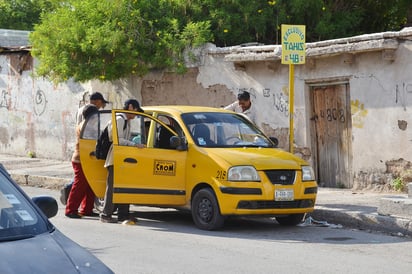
(164, 168)
(221, 174)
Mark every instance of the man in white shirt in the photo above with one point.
(244, 105)
(96, 99)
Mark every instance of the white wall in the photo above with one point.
(38, 116)
(380, 97)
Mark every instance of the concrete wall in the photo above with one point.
(37, 117)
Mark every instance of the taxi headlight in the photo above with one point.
(243, 173)
(307, 173)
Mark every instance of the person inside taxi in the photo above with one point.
(244, 105)
(80, 194)
(124, 133)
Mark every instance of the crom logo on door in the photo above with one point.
(162, 167)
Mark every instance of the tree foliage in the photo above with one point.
(23, 14)
(87, 39)
(110, 39)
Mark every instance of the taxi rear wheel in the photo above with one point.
(290, 220)
(205, 210)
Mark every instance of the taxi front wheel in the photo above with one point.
(205, 210)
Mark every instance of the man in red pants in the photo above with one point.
(81, 195)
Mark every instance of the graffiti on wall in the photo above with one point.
(403, 92)
(358, 113)
(40, 102)
(281, 102)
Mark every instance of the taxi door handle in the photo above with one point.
(130, 160)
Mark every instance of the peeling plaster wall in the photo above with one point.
(380, 99)
(381, 104)
(37, 117)
(163, 88)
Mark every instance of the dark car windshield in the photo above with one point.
(18, 219)
(217, 129)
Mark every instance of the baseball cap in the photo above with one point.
(98, 96)
(134, 103)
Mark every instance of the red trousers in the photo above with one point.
(81, 195)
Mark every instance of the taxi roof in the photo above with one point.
(180, 109)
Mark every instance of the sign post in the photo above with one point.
(293, 53)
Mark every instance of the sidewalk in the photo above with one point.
(352, 209)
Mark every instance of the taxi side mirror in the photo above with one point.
(178, 143)
(275, 141)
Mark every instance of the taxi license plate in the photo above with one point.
(284, 195)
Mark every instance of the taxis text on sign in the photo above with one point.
(164, 167)
(293, 44)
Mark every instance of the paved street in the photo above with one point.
(166, 241)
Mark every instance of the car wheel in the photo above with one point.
(205, 210)
(290, 220)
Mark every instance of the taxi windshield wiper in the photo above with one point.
(16, 237)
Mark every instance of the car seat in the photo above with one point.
(201, 135)
(164, 137)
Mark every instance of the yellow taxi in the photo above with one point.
(214, 162)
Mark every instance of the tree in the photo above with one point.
(23, 14)
(88, 39)
(110, 39)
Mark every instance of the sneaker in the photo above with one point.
(74, 216)
(107, 219)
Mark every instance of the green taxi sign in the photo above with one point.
(293, 44)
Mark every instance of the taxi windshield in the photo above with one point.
(218, 129)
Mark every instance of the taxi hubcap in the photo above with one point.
(205, 209)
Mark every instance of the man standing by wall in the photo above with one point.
(80, 194)
(96, 99)
(244, 105)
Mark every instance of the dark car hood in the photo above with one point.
(48, 253)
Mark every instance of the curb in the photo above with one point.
(370, 221)
(40, 181)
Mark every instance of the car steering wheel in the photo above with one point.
(237, 138)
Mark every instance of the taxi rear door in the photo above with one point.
(152, 175)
